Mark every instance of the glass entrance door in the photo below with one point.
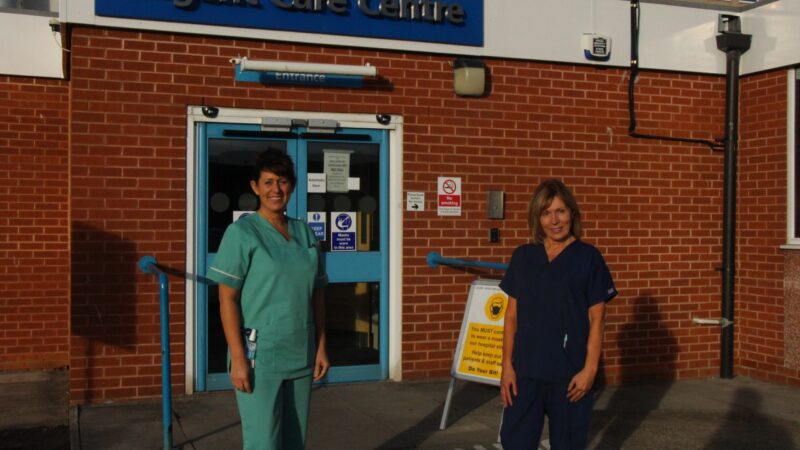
(357, 297)
(342, 176)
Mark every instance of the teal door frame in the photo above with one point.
(342, 267)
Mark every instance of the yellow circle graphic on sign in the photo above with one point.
(495, 307)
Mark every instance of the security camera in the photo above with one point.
(383, 119)
(55, 26)
(210, 111)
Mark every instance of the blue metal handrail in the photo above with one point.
(435, 260)
(148, 264)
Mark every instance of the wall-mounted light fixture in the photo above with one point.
(310, 74)
(469, 77)
(297, 67)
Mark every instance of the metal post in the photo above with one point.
(446, 412)
(148, 264)
(166, 383)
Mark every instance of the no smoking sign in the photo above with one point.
(449, 196)
(449, 186)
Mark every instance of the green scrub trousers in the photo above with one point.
(286, 404)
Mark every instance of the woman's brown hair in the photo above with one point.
(275, 161)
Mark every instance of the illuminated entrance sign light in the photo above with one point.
(285, 72)
(457, 22)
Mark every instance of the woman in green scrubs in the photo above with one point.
(271, 279)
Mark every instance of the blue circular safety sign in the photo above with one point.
(344, 222)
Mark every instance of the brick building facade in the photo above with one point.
(94, 177)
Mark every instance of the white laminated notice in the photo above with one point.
(337, 170)
(316, 183)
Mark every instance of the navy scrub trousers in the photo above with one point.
(524, 419)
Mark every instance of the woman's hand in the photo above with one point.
(321, 363)
(240, 374)
(580, 385)
(508, 385)
(508, 376)
(231, 323)
(582, 382)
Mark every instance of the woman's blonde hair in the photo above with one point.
(542, 198)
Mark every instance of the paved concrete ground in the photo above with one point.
(739, 414)
(34, 411)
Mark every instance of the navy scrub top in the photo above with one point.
(553, 301)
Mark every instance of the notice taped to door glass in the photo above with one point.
(337, 169)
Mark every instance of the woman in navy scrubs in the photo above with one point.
(558, 287)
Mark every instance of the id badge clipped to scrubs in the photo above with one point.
(249, 336)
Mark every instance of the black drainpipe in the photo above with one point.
(734, 44)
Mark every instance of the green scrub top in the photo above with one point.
(276, 279)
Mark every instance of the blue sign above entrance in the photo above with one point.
(306, 79)
(442, 21)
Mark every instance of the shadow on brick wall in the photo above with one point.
(105, 314)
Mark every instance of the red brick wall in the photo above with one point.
(762, 229)
(652, 207)
(34, 224)
(128, 200)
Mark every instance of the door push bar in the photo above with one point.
(435, 260)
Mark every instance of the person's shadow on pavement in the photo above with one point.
(746, 428)
(648, 351)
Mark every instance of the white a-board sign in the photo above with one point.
(480, 344)
(479, 352)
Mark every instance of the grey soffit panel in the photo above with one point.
(719, 5)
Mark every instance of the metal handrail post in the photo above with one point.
(148, 264)
(435, 260)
